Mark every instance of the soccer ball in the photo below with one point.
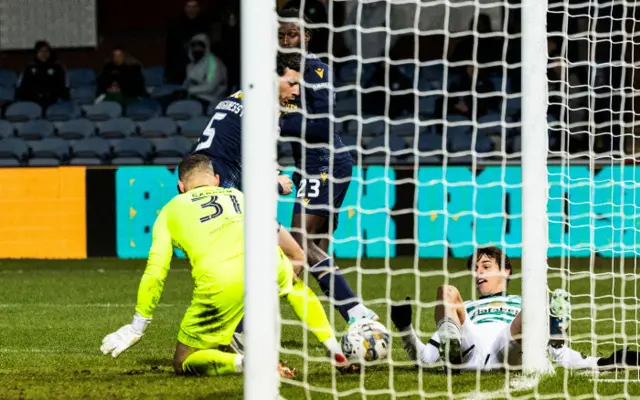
(366, 340)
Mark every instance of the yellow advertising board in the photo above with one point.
(42, 213)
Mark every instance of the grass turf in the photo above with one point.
(55, 313)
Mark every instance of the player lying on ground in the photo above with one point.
(222, 142)
(323, 172)
(207, 223)
(485, 334)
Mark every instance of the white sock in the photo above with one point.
(332, 345)
(358, 311)
(447, 327)
(239, 363)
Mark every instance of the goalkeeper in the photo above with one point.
(485, 334)
(207, 223)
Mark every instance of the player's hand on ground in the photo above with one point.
(402, 315)
(286, 183)
(125, 337)
(120, 340)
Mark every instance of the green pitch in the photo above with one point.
(54, 314)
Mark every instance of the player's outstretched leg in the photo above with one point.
(324, 269)
(450, 316)
(209, 362)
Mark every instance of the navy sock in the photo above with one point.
(334, 286)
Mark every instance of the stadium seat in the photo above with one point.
(164, 90)
(380, 149)
(464, 144)
(132, 151)
(184, 109)
(373, 127)
(153, 76)
(116, 128)
(79, 77)
(49, 152)
(103, 111)
(76, 129)
(514, 104)
(144, 109)
(347, 106)
(36, 130)
(158, 127)
(8, 78)
(170, 151)
(91, 151)
(429, 146)
(490, 125)
(427, 105)
(498, 80)
(402, 129)
(7, 94)
(63, 111)
(6, 129)
(23, 111)
(83, 95)
(13, 152)
(193, 128)
(351, 144)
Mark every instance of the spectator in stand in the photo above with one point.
(179, 34)
(463, 96)
(121, 78)
(225, 42)
(44, 81)
(206, 74)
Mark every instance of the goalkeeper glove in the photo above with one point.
(125, 337)
(401, 315)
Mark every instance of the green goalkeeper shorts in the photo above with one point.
(217, 306)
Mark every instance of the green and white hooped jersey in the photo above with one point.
(493, 309)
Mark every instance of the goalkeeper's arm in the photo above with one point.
(149, 291)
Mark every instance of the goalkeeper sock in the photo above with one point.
(334, 285)
(212, 363)
(309, 309)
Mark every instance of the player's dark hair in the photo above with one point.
(492, 252)
(288, 60)
(294, 13)
(194, 162)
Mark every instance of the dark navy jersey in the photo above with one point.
(222, 139)
(314, 130)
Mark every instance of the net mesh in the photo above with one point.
(428, 101)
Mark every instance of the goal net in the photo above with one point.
(430, 100)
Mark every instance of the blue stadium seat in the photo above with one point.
(63, 111)
(184, 109)
(373, 127)
(158, 127)
(347, 106)
(77, 129)
(351, 144)
(49, 152)
(13, 152)
(380, 149)
(170, 151)
(490, 124)
(7, 94)
(429, 145)
(153, 76)
(90, 151)
(23, 111)
(144, 109)
(498, 80)
(36, 130)
(116, 128)
(464, 143)
(132, 151)
(193, 128)
(8, 78)
(79, 77)
(164, 90)
(514, 104)
(427, 105)
(103, 111)
(6, 129)
(83, 95)
(403, 129)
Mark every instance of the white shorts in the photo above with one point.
(488, 346)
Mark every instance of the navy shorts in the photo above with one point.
(320, 193)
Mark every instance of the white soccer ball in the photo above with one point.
(366, 340)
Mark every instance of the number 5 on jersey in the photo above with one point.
(309, 188)
(210, 132)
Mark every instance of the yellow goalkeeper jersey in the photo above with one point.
(207, 224)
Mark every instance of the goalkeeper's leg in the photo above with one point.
(209, 362)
